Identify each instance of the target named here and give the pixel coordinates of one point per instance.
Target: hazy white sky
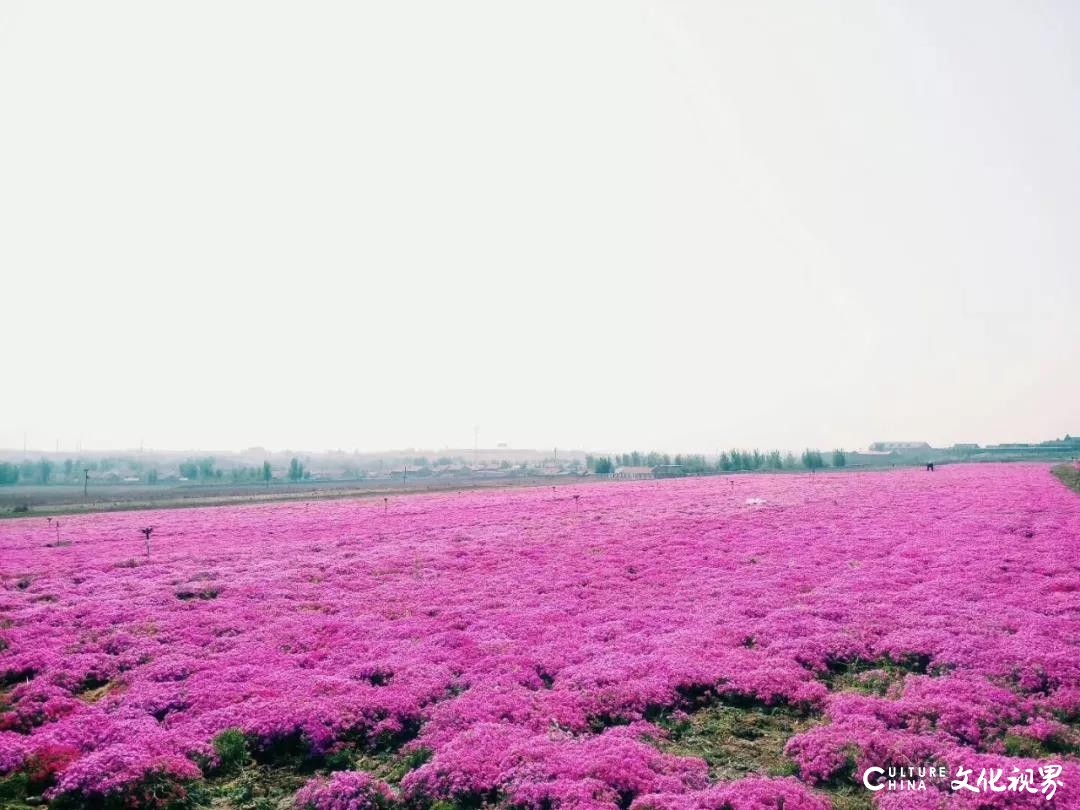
(608, 225)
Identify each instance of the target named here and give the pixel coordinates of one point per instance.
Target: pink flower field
(543, 648)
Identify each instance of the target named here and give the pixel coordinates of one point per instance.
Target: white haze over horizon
(610, 225)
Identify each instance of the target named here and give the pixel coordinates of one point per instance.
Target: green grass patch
(1066, 743)
(14, 790)
(748, 739)
(232, 750)
(877, 681)
(736, 741)
(390, 766)
(883, 677)
(1068, 475)
(246, 784)
(258, 787)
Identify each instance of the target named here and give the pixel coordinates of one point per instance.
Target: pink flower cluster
(530, 768)
(345, 790)
(526, 637)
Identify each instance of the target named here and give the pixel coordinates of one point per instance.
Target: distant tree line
(728, 461)
(639, 459)
(248, 475)
(297, 471)
(46, 471)
(31, 472)
(202, 469)
(601, 465)
(206, 469)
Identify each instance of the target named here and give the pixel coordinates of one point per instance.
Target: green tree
(696, 464)
(603, 465)
(296, 470)
(45, 468)
(9, 474)
(839, 458)
(232, 750)
(267, 473)
(152, 476)
(812, 459)
(773, 460)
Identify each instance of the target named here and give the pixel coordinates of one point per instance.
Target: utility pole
(86, 480)
(405, 474)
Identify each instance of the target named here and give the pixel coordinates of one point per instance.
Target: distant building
(449, 469)
(633, 473)
(549, 469)
(1068, 445)
(668, 471)
(899, 447)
